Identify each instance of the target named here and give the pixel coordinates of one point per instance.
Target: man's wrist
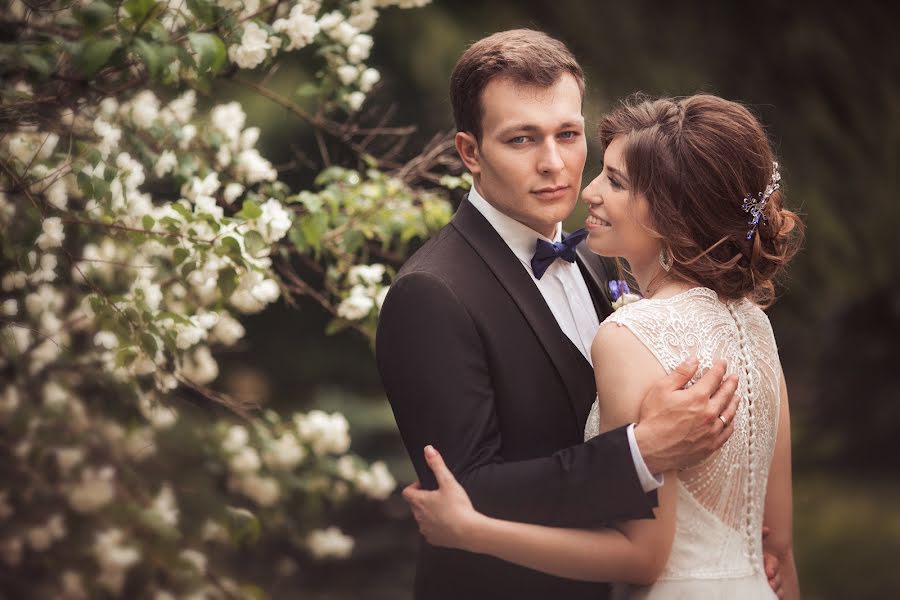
(648, 480)
(644, 441)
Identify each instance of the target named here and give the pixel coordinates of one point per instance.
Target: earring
(666, 259)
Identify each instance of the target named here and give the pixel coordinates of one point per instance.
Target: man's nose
(550, 160)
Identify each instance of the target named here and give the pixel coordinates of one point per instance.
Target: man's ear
(467, 148)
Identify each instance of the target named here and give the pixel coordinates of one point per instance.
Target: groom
(486, 354)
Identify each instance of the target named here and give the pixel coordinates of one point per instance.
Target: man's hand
(772, 567)
(679, 427)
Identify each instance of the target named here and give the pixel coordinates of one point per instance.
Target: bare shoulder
(625, 370)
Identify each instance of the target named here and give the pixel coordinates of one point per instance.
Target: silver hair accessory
(756, 205)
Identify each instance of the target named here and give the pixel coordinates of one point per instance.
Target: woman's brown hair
(695, 159)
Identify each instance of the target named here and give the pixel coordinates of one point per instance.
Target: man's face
(532, 151)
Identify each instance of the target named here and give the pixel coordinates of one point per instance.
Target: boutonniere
(621, 294)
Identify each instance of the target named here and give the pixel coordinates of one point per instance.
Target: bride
(690, 197)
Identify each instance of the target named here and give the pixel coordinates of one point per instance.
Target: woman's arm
(635, 552)
(778, 516)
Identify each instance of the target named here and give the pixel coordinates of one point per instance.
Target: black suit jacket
(473, 362)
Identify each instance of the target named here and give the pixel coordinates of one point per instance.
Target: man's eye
(521, 139)
(568, 135)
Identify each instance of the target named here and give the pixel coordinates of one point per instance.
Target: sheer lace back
(720, 500)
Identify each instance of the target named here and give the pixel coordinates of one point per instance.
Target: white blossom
(68, 458)
(366, 274)
(323, 432)
(227, 331)
(200, 367)
(52, 235)
(72, 586)
(228, 119)
(166, 506)
(357, 305)
(368, 79)
(329, 543)
(143, 108)
(14, 280)
(284, 452)
(115, 559)
(253, 168)
(165, 163)
(274, 221)
(355, 100)
(94, 491)
(300, 27)
(236, 439)
(232, 191)
(348, 74)
(377, 482)
(9, 401)
(253, 48)
(140, 443)
(9, 308)
(358, 50)
(195, 558)
(187, 336)
(254, 292)
(181, 109)
(158, 414)
(246, 460)
(265, 491)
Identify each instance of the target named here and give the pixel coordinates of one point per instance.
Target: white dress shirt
(565, 291)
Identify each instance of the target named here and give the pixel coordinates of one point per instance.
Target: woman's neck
(652, 280)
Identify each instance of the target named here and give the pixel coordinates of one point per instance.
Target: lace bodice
(720, 500)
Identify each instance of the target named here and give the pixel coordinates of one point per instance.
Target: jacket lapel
(567, 360)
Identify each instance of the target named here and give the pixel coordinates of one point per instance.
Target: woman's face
(618, 219)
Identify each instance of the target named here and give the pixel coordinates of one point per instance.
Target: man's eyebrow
(528, 128)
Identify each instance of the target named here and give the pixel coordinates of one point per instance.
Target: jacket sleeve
(436, 375)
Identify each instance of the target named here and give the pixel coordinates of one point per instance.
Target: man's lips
(551, 192)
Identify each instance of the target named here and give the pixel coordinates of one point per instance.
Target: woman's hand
(445, 516)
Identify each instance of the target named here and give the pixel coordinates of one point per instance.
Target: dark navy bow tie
(546, 252)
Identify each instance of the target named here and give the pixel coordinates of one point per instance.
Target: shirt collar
(520, 238)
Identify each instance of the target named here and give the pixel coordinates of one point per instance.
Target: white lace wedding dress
(717, 551)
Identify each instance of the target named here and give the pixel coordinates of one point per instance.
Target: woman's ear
(467, 148)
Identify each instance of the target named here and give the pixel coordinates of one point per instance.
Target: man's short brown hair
(523, 55)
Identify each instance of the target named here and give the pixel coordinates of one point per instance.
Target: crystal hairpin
(757, 205)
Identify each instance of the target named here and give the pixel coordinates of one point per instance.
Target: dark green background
(825, 79)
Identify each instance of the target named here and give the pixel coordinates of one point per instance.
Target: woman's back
(720, 500)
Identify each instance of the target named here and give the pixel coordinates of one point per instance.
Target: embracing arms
(634, 551)
(435, 371)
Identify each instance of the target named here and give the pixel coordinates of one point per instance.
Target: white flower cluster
(115, 559)
(324, 433)
(376, 482)
(330, 542)
(366, 293)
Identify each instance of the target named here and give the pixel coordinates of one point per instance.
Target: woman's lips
(593, 221)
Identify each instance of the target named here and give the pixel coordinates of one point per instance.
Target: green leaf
(211, 50)
(148, 222)
(203, 10)
(38, 63)
(148, 344)
(242, 525)
(232, 248)
(182, 210)
(94, 16)
(336, 326)
(254, 243)
(227, 282)
(180, 255)
(94, 55)
(250, 210)
(150, 56)
(139, 9)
